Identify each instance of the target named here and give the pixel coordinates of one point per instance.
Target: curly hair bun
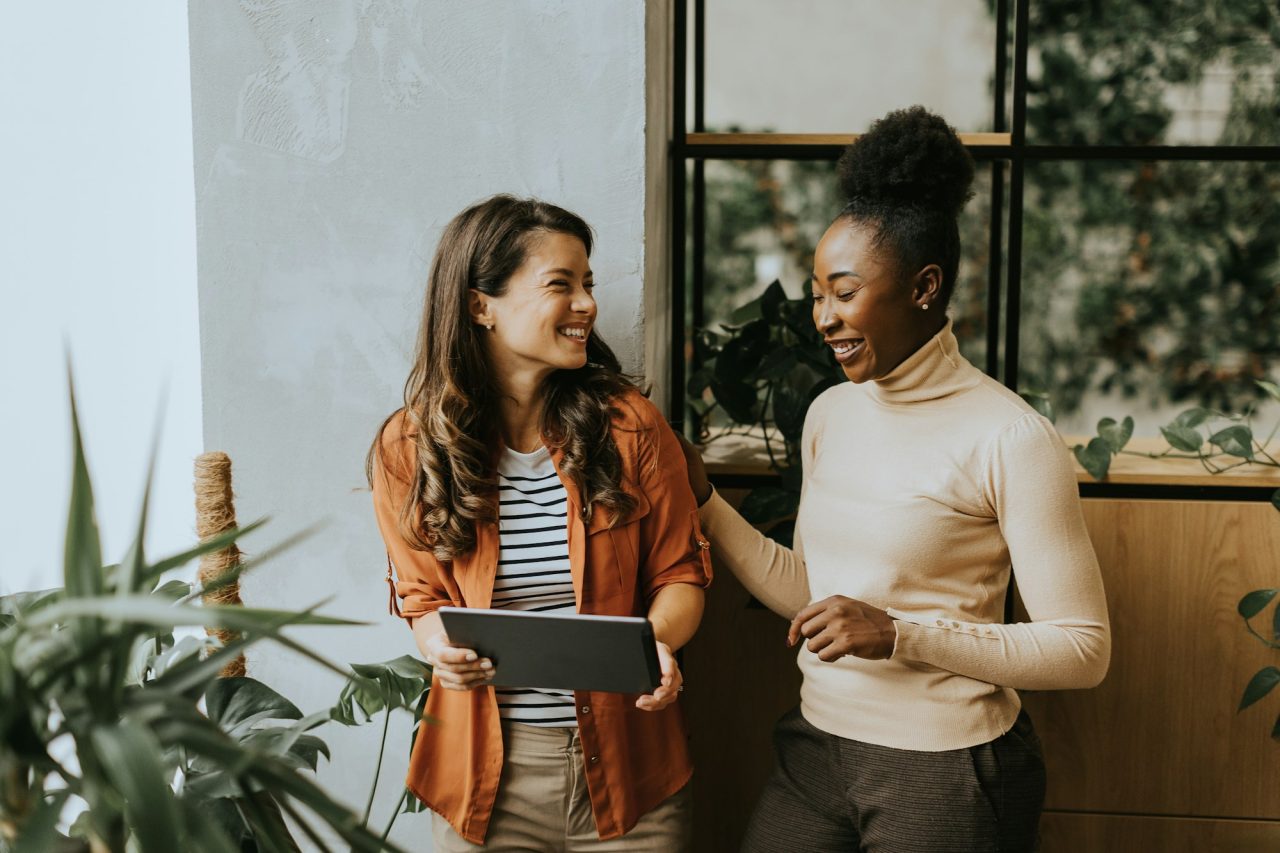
(909, 157)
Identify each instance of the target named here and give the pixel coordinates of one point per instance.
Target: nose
(824, 317)
(583, 301)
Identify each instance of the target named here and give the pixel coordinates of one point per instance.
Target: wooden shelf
(781, 139)
(745, 456)
(1127, 469)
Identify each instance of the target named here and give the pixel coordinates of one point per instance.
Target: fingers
(457, 668)
(668, 689)
(794, 632)
(697, 470)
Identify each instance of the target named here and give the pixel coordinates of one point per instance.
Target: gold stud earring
(489, 326)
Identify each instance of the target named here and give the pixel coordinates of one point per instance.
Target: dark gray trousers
(828, 794)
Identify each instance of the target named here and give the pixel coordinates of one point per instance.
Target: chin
(856, 373)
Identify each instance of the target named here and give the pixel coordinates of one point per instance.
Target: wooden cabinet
(1156, 758)
(1160, 738)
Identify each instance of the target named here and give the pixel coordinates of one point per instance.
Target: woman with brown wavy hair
(526, 472)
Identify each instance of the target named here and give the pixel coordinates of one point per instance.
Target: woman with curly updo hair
(926, 484)
(526, 472)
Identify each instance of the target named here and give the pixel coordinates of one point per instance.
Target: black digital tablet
(559, 652)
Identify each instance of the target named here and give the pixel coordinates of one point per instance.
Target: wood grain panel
(1074, 833)
(1161, 735)
(740, 677)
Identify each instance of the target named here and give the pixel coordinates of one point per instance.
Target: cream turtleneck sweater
(921, 490)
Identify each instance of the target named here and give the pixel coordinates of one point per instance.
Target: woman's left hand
(669, 689)
(839, 626)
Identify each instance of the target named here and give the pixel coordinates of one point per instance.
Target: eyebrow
(567, 272)
(836, 275)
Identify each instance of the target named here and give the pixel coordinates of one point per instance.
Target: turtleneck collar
(935, 370)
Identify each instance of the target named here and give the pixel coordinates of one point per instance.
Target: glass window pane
(834, 66)
(1177, 72)
(1149, 288)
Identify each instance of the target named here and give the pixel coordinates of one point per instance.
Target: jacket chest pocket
(614, 552)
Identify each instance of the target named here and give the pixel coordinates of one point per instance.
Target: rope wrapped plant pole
(215, 514)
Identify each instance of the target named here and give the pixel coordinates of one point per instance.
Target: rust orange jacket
(634, 759)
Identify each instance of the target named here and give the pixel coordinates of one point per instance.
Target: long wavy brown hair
(451, 396)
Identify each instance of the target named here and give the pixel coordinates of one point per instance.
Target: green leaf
(1235, 441)
(771, 302)
(216, 543)
(698, 382)
(206, 833)
(746, 313)
(1096, 458)
(1041, 403)
(132, 759)
(82, 566)
(1259, 686)
(769, 503)
(1251, 605)
(134, 563)
(1182, 438)
(777, 364)
(229, 701)
(738, 399)
(39, 831)
(172, 590)
(1115, 435)
(149, 611)
(1192, 418)
(1271, 388)
(412, 805)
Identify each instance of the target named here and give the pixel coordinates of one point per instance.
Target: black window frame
(1007, 161)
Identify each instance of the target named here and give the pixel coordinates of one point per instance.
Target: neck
(520, 410)
(925, 333)
(934, 370)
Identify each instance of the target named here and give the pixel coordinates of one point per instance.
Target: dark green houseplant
(98, 701)
(762, 373)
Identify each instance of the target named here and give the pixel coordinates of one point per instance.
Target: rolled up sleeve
(421, 584)
(673, 547)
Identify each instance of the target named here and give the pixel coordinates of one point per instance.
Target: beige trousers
(542, 804)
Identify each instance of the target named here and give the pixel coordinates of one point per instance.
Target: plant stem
(395, 814)
(377, 771)
(768, 446)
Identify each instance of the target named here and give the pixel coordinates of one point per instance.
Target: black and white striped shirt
(533, 568)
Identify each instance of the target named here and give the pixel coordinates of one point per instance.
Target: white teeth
(573, 332)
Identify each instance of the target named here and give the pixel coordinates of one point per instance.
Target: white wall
(333, 142)
(97, 249)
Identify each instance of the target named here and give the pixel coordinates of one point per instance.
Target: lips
(577, 334)
(847, 349)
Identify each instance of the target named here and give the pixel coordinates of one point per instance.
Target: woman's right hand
(456, 667)
(698, 481)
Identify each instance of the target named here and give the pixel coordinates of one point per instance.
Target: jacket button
(586, 709)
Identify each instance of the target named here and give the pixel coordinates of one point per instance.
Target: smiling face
(542, 320)
(867, 314)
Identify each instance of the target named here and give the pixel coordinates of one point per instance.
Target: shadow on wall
(297, 102)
